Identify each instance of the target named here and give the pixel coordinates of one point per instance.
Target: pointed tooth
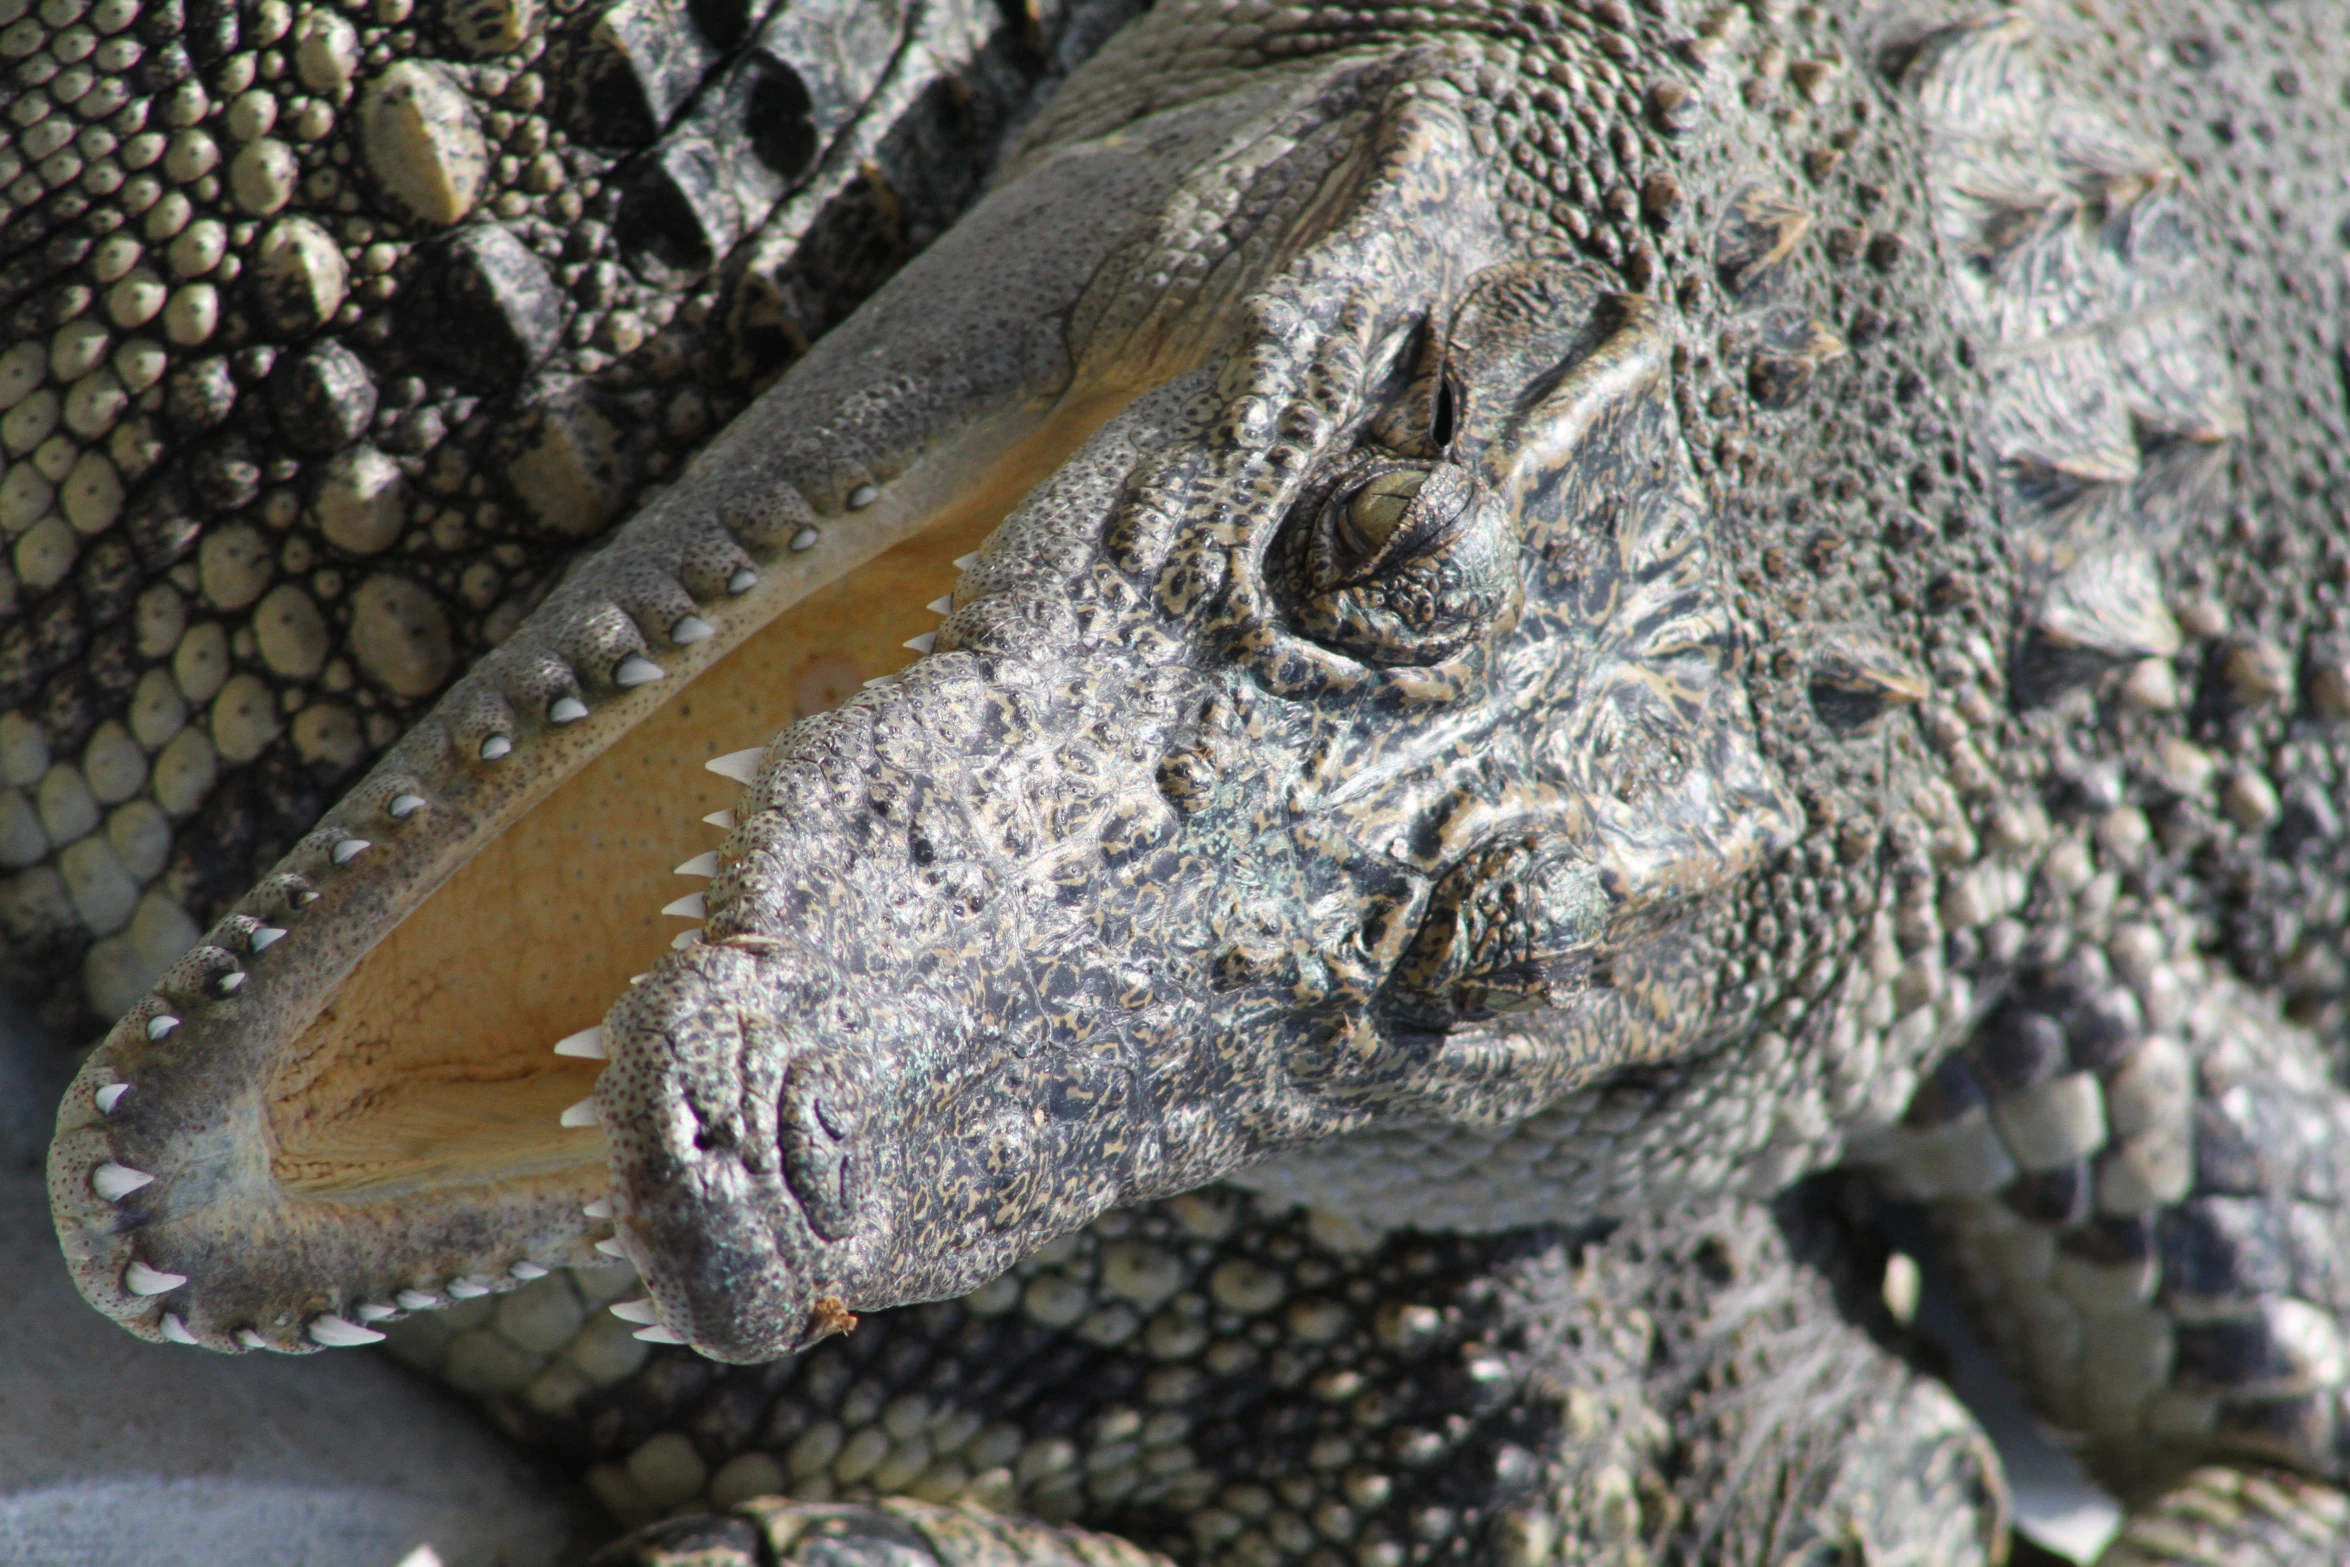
(175, 1328)
(497, 748)
(722, 820)
(417, 1300)
(527, 1270)
(375, 1311)
(639, 1311)
(637, 670)
(140, 1279)
(229, 984)
(404, 806)
(110, 1096)
(702, 864)
(566, 710)
(114, 1181)
(348, 850)
(963, 562)
(635, 980)
(743, 580)
(157, 1027)
(741, 766)
(805, 539)
(588, 1045)
(601, 1208)
(943, 605)
(923, 643)
(690, 907)
(691, 629)
(340, 1332)
(251, 1339)
(583, 1113)
(264, 938)
(610, 1246)
(684, 939)
(467, 1289)
(657, 1334)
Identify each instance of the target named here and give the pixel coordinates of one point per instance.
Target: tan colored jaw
(432, 1062)
(366, 1119)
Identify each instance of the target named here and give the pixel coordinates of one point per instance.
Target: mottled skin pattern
(1222, 1385)
(1673, 599)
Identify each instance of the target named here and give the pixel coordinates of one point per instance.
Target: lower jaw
(270, 1166)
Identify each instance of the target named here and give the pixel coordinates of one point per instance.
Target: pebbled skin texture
(1201, 1378)
(1651, 603)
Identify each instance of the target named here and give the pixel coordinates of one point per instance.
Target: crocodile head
(1346, 730)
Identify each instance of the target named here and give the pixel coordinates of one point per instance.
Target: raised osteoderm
(1547, 611)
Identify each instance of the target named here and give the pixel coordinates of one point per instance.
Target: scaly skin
(1603, 609)
(1208, 1381)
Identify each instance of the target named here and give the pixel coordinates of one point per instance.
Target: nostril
(817, 1124)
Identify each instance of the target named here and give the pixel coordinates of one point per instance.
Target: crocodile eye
(1403, 563)
(1373, 513)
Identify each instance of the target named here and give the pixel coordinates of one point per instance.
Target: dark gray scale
(1207, 1380)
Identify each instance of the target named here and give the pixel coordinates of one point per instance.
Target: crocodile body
(1571, 614)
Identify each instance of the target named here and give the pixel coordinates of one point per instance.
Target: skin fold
(1549, 614)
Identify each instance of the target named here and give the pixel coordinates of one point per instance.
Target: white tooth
(923, 643)
(743, 580)
(140, 1279)
(722, 820)
(467, 1289)
(251, 1339)
(376, 1311)
(229, 984)
(566, 710)
(684, 939)
(114, 1181)
(404, 806)
(110, 1096)
(877, 680)
(741, 766)
(601, 1208)
(963, 562)
(587, 1044)
(637, 670)
(263, 939)
(638, 1311)
(348, 850)
(526, 1271)
(157, 1027)
(692, 629)
(610, 1246)
(423, 1556)
(497, 748)
(702, 864)
(339, 1333)
(175, 1328)
(417, 1300)
(690, 907)
(583, 1114)
(941, 606)
(657, 1334)
(638, 979)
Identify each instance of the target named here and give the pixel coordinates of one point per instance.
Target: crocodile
(1552, 613)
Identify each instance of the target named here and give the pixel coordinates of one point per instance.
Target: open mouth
(368, 1091)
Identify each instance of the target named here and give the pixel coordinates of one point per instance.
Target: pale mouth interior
(432, 1064)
